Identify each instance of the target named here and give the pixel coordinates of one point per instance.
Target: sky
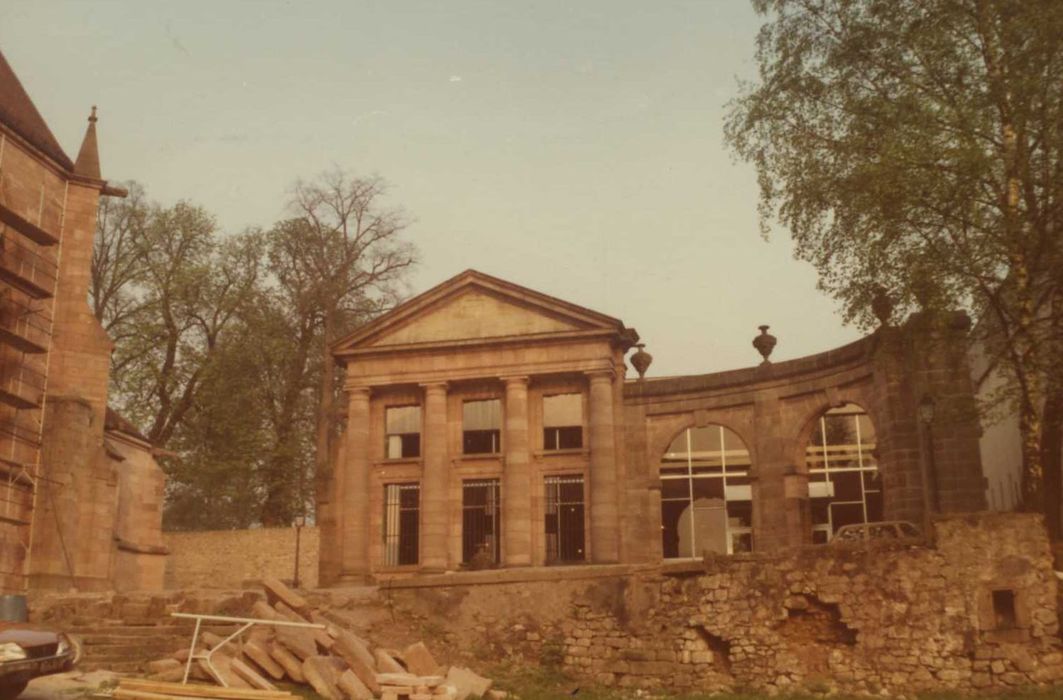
(573, 148)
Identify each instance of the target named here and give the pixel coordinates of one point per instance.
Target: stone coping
(853, 353)
(516, 575)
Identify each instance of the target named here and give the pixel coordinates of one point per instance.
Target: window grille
(564, 519)
(481, 520)
(402, 524)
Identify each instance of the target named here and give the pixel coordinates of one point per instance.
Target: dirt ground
(70, 686)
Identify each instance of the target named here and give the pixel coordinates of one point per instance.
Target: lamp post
(931, 499)
(300, 521)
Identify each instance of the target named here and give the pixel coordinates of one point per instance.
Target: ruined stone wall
(976, 611)
(231, 558)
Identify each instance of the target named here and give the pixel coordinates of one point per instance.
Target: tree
(187, 292)
(286, 333)
(914, 145)
(340, 260)
(223, 343)
(117, 264)
(215, 478)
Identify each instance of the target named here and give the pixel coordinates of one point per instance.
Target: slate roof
(115, 421)
(18, 113)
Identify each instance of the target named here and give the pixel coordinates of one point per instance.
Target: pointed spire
(88, 162)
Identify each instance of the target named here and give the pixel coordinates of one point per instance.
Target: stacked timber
(137, 689)
(333, 660)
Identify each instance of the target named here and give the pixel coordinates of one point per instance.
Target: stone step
(137, 650)
(118, 666)
(97, 640)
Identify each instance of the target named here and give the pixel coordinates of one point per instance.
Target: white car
(882, 530)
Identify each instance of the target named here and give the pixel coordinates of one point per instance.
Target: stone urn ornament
(641, 360)
(765, 343)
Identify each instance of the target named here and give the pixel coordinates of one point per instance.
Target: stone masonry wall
(977, 611)
(898, 619)
(231, 558)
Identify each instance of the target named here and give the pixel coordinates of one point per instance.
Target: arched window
(706, 503)
(843, 478)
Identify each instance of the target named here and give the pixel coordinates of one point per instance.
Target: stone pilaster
(353, 489)
(773, 502)
(926, 358)
(435, 479)
(516, 478)
(604, 503)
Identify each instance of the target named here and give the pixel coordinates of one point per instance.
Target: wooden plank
(349, 644)
(291, 664)
(220, 669)
(386, 663)
(353, 688)
(259, 653)
(199, 691)
(298, 641)
(356, 661)
(262, 610)
(251, 675)
(322, 676)
(26, 227)
(211, 694)
(419, 660)
(208, 693)
(277, 591)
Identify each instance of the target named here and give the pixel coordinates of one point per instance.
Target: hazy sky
(574, 148)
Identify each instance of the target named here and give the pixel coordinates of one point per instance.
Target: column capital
(434, 386)
(515, 379)
(358, 390)
(600, 374)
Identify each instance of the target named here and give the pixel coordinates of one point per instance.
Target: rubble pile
(332, 659)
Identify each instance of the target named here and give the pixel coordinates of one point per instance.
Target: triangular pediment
(474, 314)
(475, 307)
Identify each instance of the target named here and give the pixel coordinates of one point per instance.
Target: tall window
(481, 427)
(564, 519)
(401, 523)
(843, 477)
(480, 519)
(403, 427)
(706, 498)
(563, 422)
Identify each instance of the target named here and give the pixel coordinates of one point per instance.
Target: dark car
(27, 652)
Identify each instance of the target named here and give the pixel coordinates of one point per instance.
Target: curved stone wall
(774, 407)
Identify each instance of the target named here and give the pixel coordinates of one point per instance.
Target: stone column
(353, 489)
(516, 477)
(435, 479)
(604, 494)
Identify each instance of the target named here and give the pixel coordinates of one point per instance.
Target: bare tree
(346, 253)
(117, 261)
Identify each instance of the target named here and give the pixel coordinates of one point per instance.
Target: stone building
(489, 425)
(81, 493)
